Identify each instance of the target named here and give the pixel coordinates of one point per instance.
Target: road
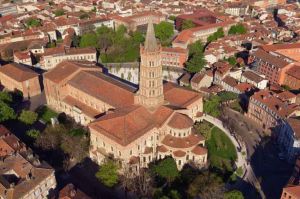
(265, 171)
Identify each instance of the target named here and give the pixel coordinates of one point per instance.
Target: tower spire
(150, 42)
(150, 93)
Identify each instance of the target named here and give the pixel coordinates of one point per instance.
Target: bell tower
(150, 93)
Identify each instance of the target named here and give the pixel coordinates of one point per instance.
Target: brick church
(133, 126)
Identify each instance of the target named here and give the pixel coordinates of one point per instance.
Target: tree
(75, 41)
(215, 36)
(59, 12)
(211, 106)
(108, 173)
(196, 47)
(231, 60)
(206, 186)
(138, 37)
(196, 63)
(234, 194)
(51, 137)
(6, 112)
(6, 97)
(237, 29)
(33, 22)
(172, 17)
(88, 40)
(33, 133)
(187, 24)
(28, 117)
(164, 31)
(167, 169)
(84, 16)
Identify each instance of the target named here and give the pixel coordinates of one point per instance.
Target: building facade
(16, 77)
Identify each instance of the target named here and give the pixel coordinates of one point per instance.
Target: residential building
(23, 58)
(292, 77)
(273, 66)
(70, 191)
(255, 79)
(138, 20)
(22, 174)
(53, 56)
(291, 192)
(17, 77)
(174, 57)
(288, 138)
(202, 80)
(268, 110)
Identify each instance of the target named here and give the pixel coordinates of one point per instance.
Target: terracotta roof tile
(18, 72)
(180, 121)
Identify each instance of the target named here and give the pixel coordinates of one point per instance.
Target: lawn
(221, 150)
(46, 114)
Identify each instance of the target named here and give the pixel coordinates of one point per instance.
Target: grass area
(221, 150)
(45, 114)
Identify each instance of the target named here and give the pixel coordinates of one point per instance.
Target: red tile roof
(180, 121)
(18, 72)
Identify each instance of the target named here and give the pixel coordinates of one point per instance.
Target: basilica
(134, 126)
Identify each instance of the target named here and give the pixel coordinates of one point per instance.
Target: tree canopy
(237, 29)
(108, 173)
(164, 31)
(206, 186)
(212, 106)
(215, 36)
(33, 133)
(88, 40)
(167, 169)
(196, 61)
(33, 22)
(59, 12)
(234, 194)
(196, 47)
(6, 112)
(187, 24)
(28, 117)
(6, 97)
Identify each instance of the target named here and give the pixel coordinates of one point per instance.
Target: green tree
(6, 97)
(33, 133)
(234, 194)
(231, 60)
(167, 169)
(6, 112)
(227, 96)
(196, 63)
(138, 37)
(196, 47)
(187, 24)
(164, 31)
(33, 22)
(212, 106)
(59, 12)
(89, 40)
(237, 29)
(215, 36)
(28, 117)
(108, 173)
(172, 17)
